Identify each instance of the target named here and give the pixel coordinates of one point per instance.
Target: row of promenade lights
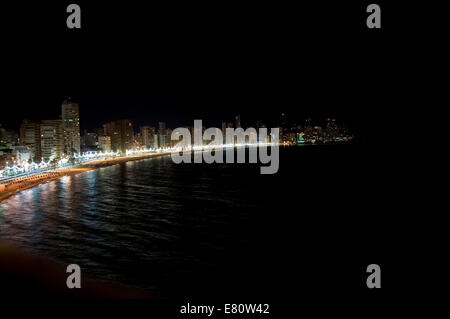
(23, 167)
(194, 148)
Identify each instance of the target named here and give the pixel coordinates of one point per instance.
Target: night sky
(177, 62)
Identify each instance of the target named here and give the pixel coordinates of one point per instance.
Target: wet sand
(26, 274)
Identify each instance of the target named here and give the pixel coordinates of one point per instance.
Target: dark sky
(208, 60)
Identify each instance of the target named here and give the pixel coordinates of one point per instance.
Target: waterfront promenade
(21, 183)
(15, 185)
(11, 185)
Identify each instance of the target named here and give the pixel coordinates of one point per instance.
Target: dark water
(169, 227)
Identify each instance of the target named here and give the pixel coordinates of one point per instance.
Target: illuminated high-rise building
(89, 139)
(8, 137)
(162, 134)
(30, 136)
(104, 143)
(148, 136)
(70, 115)
(52, 140)
(169, 141)
(121, 133)
(331, 130)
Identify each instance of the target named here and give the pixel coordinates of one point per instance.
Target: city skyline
(174, 114)
(54, 139)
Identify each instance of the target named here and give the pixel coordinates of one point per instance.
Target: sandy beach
(24, 273)
(22, 183)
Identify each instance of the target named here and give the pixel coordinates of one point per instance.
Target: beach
(22, 183)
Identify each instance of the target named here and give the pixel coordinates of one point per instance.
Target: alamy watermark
(74, 279)
(209, 145)
(73, 21)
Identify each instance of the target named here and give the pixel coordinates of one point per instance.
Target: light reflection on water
(125, 221)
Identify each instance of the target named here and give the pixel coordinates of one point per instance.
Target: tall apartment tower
(70, 115)
(148, 136)
(104, 143)
(52, 139)
(30, 136)
(162, 134)
(121, 133)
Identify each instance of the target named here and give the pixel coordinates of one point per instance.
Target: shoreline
(21, 272)
(42, 178)
(38, 179)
